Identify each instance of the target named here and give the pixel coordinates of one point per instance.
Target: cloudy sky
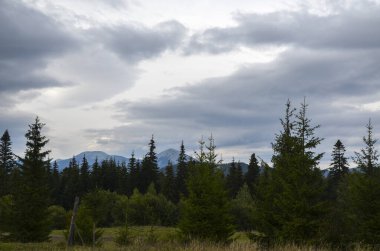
(107, 74)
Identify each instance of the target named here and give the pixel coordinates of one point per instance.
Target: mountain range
(162, 158)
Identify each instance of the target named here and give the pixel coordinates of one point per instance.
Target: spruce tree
(149, 168)
(362, 194)
(96, 175)
(7, 163)
(339, 164)
(182, 173)
(335, 224)
(133, 174)
(230, 179)
(205, 213)
(85, 182)
(55, 184)
(252, 174)
(31, 197)
(123, 186)
(291, 206)
(367, 158)
(338, 169)
(234, 179)
(243, 209)
(169, 185)
(70, 183)
(109, 174)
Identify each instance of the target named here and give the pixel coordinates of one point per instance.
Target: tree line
(289, 201)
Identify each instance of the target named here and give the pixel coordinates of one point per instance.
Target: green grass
(164, 238)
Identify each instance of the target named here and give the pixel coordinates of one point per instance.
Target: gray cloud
(135, 43)
(351, 28)
(27, 39)
(243, 110)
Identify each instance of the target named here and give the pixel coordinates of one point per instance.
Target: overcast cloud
(87, 74)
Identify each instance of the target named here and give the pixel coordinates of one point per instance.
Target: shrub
(57, 217)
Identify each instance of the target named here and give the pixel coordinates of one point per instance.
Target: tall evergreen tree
(31, 197)
(234, 179)
(205, 213)
(7, 163)
(109, 174)
(291, 205)
(85, 181)
(149, 168)
(133, 181)
(123, 186)
(182, 173)
(139, 176)
(252, 174)
(70, 183)
(339, 164)
(338, 169)
(361, 197)
(96, 175)
(169, 185)
(243, 209)
(55, 184)
(367, 158)
(334, 224)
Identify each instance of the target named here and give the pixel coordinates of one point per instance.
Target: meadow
(158, 238)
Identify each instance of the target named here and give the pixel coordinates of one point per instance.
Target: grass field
(156, 238)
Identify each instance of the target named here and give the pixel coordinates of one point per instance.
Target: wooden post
(70, 239)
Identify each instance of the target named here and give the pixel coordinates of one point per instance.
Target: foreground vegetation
(164, 238)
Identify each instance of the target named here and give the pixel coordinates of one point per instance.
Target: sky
(108, 74)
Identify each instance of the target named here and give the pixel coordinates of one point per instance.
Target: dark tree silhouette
(31, 197)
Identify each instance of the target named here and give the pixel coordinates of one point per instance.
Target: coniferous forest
(288, 200)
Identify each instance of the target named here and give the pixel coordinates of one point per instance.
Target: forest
(287, 201)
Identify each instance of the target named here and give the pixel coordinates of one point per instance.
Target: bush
(85, 231)
(57, 217)
(151, 209)
(106, 208)
(123, 236)
(5, 213)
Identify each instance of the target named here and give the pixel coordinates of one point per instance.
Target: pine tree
(149, 168)
(252, 175)
(84, 176)
(7, 163)
(31, 197)
(182, 173)
(205, 213)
